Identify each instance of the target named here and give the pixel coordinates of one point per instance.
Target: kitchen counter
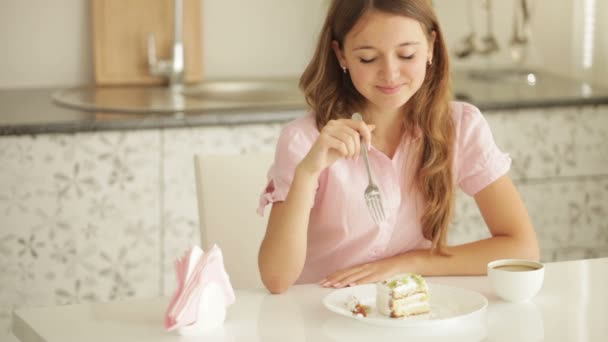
(32, 111)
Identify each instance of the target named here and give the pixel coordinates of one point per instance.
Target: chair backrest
(228, 189)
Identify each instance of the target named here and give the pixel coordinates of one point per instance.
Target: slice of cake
(402, 295)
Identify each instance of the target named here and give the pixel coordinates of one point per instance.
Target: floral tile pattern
(568, 217)
(553, 142)
(79, 218)
(559, 166)
(102, 216)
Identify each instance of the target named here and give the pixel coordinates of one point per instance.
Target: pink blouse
(341, 232)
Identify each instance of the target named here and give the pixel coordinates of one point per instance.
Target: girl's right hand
(339, 138)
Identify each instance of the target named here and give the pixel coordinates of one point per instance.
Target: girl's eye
(366, 61)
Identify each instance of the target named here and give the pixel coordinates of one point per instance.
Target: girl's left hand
(362, 274)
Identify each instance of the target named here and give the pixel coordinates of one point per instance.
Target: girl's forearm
(471, 258)
(283, 250)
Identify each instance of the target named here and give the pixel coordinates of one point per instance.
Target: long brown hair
(331, 95)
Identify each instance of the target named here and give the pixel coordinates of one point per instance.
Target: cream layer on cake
(402, 296)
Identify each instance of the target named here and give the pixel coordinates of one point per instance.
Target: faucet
(174, 67)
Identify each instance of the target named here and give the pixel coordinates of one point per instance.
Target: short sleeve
(478, 160)
(292, 146)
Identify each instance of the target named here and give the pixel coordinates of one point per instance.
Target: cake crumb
(353, 305)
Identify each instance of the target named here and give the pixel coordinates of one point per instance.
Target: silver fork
(372, 192)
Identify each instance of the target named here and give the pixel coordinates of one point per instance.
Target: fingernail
(352, 284)
(337, 285)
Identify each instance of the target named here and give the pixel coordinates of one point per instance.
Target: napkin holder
(209, 294)
(212, 306)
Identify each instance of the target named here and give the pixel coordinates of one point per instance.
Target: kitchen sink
(283, 90)
(512, 75)
(207, 96)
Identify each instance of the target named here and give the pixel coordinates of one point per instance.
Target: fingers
(349, 137)
(363, 274)
(366, 279)
(336, 144)
(338, 279)
(349, 277)
(364, 130)
(345, 136)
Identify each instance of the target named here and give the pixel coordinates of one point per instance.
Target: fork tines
(374, 204)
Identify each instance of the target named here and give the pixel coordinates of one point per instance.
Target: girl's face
(386, 56)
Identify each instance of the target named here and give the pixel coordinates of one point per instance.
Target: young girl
(387, 60)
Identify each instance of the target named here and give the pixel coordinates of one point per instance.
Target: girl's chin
(390, 104)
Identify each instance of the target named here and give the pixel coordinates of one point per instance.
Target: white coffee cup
(516, 280)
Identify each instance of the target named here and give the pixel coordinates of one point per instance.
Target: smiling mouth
(389, 90)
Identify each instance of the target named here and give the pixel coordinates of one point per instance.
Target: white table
(572, 306)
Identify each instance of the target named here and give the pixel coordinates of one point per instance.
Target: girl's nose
(390, 70)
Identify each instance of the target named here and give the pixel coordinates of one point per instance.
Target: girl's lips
(389, 90)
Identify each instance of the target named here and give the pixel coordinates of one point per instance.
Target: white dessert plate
(447, 303)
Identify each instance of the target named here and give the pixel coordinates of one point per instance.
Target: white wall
(47, 43)
(259, 37)
(44, 43)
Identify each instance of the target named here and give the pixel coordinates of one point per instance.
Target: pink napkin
(195, 272)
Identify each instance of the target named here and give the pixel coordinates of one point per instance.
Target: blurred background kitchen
(49, 43)
(97, 192)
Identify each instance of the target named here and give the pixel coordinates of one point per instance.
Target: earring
(344, 69)
(430, 61)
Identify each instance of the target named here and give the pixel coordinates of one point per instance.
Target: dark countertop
(32, 111)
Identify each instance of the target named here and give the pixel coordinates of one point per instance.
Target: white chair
(228, 189)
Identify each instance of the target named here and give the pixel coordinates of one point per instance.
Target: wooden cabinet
(120, 32)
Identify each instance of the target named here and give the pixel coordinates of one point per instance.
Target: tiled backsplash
(101, 216)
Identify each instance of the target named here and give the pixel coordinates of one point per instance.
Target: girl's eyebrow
(369, 47)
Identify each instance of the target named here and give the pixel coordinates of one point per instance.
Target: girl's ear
(339, 55)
